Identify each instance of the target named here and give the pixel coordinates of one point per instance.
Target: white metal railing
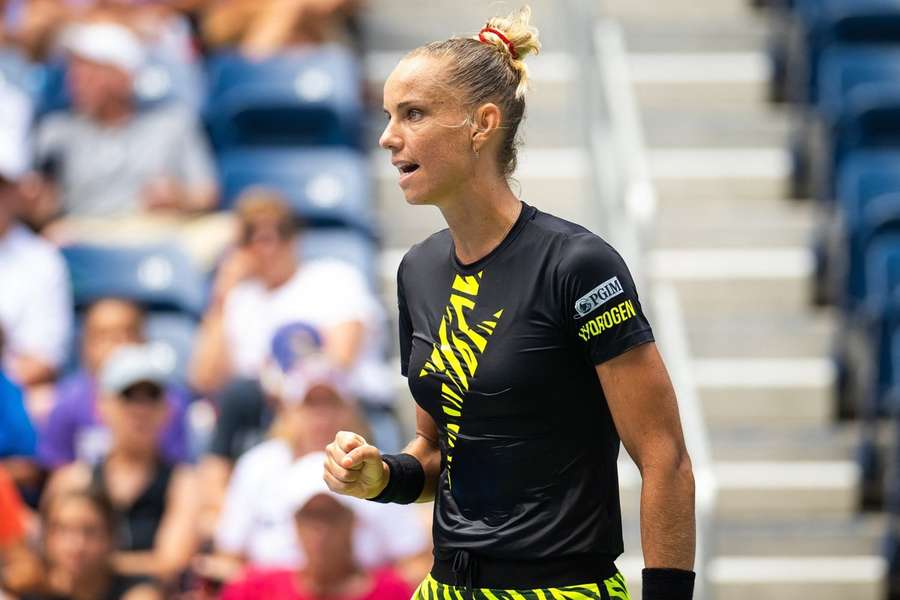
(626, 207)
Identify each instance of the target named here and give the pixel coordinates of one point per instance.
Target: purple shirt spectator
(74, 429)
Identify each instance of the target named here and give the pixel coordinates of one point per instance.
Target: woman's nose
(389, 140)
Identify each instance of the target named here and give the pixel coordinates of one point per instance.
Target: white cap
(130, 365)
(304, 482)
(294, 386)
(105, 43)
(15, 118)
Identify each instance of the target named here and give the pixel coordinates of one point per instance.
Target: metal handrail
(623, 210)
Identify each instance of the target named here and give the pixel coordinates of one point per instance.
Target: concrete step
(401, 25)
(676, 127)
(703, 173)
(760, 230)
(712, 35)
(679, 12)
(551, 179)
(756, 491)
(855, 535)
(722, 282)
(728, 220)
(765, 392)
(791, 578)
(716, 81)
(828, 442)
(789, 334)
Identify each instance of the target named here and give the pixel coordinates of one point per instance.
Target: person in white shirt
(255, 525)
(264, 284)
(36, 300)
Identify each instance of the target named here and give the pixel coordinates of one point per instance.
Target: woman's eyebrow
(403, 104)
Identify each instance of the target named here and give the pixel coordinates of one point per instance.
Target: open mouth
(407, 168)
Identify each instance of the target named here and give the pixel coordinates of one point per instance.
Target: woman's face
(427, 132)
(77, 539)
(136, 417)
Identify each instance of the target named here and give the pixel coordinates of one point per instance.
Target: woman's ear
(487, 120)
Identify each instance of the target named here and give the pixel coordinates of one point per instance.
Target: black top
(501, 354)
(119, 585)
(139, 521)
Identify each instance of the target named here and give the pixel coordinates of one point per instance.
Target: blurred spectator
(261, 28)
(36, 304)
(116, 172)
(74, 429)
(17, 436)
(155, 501)
(255, 523)
(78, 543)
(262, 285)
(19, 568)
(327, 527)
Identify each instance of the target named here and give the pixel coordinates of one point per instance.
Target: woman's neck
(80, 586)
(131, 457)
(481, 222)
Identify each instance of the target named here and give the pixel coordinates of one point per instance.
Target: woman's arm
(355, 468)
(176, 536)
(645, 411)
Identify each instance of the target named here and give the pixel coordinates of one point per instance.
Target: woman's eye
(414, 113)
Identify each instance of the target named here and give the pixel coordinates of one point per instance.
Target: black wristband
(405, 482)
(667, 584)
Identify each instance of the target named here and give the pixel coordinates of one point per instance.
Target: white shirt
(35, 298)
(323, 293)
(257, 520)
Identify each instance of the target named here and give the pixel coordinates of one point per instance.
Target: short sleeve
(404, 323)
(194, 162)
(235, 526)
(56, 442)
(602, 312)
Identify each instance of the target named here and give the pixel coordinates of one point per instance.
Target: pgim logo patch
(597, 297)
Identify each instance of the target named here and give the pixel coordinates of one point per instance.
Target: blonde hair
(490, 71)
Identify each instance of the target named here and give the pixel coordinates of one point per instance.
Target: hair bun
(521, 40)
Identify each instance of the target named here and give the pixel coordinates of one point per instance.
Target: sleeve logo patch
(597, 296)
(612, 317)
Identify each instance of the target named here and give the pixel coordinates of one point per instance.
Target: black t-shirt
(501, 354)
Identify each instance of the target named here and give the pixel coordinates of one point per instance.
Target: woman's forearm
(667, 514)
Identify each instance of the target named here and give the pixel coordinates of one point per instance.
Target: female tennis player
(528, 354)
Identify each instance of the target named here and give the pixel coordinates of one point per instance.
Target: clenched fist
(353, 467)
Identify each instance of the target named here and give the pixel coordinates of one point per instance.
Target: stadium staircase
(785, 523)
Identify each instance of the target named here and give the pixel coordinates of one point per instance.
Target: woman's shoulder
(434, 247)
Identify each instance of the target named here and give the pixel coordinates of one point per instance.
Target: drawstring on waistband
(465, 568)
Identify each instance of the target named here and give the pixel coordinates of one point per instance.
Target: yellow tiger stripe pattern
(455, 355)
(612, 588)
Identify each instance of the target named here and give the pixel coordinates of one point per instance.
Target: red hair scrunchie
(503, 38)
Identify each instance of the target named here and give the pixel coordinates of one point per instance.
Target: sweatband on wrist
(667, 584)
(406, 479)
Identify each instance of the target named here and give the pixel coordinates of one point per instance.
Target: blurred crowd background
(187, 305)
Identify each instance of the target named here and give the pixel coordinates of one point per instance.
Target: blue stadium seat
(880, 308)
(173, 334)
(326, 186)
(310, 97)
(827, 22)
(844, 68)
(344, 244)
(158, 276)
